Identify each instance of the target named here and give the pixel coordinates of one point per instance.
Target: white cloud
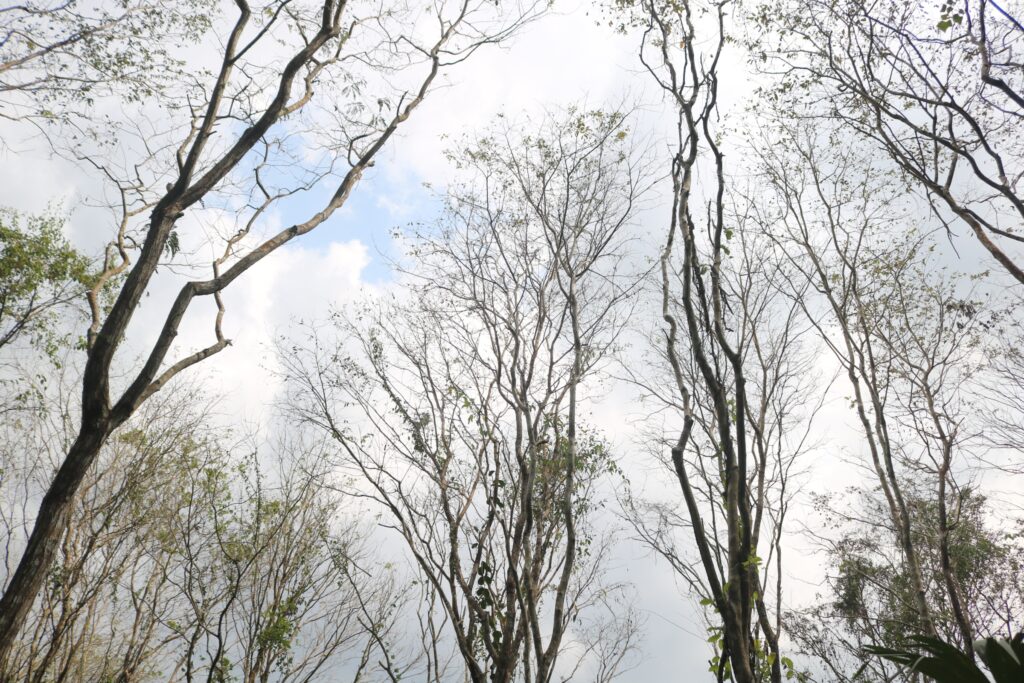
(296, 283)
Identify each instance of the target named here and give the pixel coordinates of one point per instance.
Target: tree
(59, 57)
(782, 401)
(194, 559)
(834, 226)
(205, 160)
(40, 272)
(870, 600)
(472, 391)
(705, 329)
(940, 93)
(1002, 386)
(906, 335)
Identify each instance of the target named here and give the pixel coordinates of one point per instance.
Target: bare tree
(707, 331)
(471, 392)
(271, 579)
(939, 90)
(1002, 386)
(782, 399)
(906, 337)
(58, 58)
(845, 221)
(230, 133)
(197, 558)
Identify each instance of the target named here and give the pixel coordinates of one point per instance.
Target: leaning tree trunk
(44, 542)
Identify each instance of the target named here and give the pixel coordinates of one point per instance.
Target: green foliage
(39, 271)
(592, 460)
(763, 657)
(490, 631)
(949, 15)
(872, 600)
(220, 671)
(279, 627)
(66, 55)
(944, 663)
(873, 592)
(716, 638)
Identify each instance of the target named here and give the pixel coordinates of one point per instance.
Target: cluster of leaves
(944, 663)
(873, 593)
(871, 599)
(39, 272)
(68, 53)
(490, 630)
(764, 658)
(592, 461)
(949, 14)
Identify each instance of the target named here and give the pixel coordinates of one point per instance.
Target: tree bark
(44, 542)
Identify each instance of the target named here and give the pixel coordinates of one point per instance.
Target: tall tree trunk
(44, 542)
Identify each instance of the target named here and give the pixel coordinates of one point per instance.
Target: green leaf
(1002, 662)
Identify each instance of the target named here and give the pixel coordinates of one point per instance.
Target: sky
(566, 58)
